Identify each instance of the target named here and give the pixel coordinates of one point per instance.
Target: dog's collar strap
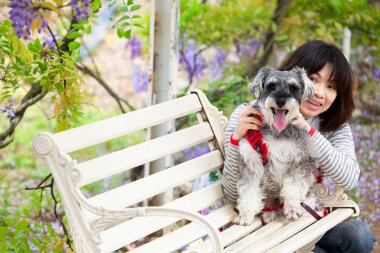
(256, 140)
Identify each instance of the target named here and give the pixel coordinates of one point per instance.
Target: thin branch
(268, 43)
(33, 96)
(51, 187)
(103, 83)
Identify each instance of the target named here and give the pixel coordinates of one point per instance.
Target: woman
(328, 112)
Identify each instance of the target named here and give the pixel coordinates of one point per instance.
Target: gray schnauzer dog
(290, 173)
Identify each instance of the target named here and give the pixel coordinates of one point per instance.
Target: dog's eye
(271, 86)
(293, 87)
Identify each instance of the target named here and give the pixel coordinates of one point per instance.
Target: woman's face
(324, 96)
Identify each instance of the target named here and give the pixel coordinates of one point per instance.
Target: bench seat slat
(280, 235)
(229, 236)
(137, 191)
(257, 235)
(119, 161)
(312, 232)
(134, 229)
(101, 131)
(187, 233)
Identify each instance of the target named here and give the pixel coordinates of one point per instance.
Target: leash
(308, 209)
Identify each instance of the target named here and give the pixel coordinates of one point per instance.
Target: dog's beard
(277, 117)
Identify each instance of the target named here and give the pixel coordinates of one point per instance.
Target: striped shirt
(335, 154)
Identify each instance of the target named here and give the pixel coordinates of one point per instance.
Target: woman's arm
(230, 175)
(336, 156)
(240, 122)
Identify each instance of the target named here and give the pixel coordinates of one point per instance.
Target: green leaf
(3, 232)
(135, 7)
(29, 79)
(74, 35)
(9, 221)
(88, 29)
(22, 224)
(124, 9)
(138, 25)
(120, 33)
(74, 45)
(127, 34)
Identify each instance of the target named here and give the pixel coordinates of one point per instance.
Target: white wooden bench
(108, 221)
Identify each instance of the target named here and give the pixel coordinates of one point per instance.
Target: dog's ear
(308, 86)
(257, 85)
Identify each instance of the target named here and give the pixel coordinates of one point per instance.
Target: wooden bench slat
(134, 229)
(257, 235)
(229, 236)
(187, 234)
(137, 191)
(279, 235)
(91, 134)
(119, 161)
(312, 232)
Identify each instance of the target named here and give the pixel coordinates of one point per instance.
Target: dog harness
(256, 140)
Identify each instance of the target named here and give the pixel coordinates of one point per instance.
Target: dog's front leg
(293, 191)
(251, 196)
(250, 200)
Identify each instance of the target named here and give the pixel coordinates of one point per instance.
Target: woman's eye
(312, 79)
(332, 87)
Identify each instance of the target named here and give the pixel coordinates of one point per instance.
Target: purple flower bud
(11, 114)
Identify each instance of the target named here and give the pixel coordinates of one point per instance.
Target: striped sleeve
(230, 175)
(336, 156)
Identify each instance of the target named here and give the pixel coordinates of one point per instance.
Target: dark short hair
(312, 56)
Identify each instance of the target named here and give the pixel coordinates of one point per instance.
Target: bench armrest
(338, 199)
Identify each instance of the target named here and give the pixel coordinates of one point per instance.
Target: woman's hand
(247, 121)
(301, 122)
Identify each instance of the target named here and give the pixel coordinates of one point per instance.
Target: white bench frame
(109, 221)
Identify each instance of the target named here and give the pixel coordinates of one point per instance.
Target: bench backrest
(90, 232)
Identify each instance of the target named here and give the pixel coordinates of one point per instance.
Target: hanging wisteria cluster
(22, 14)
(81, 8)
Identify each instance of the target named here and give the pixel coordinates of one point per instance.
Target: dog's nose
(281, 102)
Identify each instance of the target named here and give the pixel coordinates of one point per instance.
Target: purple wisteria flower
(81, 9)
(247, 50)
(140, 79)
(367, 148)
(375, 72)
(48, 43)
(192, 153)
(135, 46)
(216, 64)
(193, 63)
(22, 15)
(8, 109)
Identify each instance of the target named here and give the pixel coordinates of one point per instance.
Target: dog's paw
(243, 220)
(268, 217)
(293, 209)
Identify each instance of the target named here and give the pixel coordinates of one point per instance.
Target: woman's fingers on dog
(250, 111)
